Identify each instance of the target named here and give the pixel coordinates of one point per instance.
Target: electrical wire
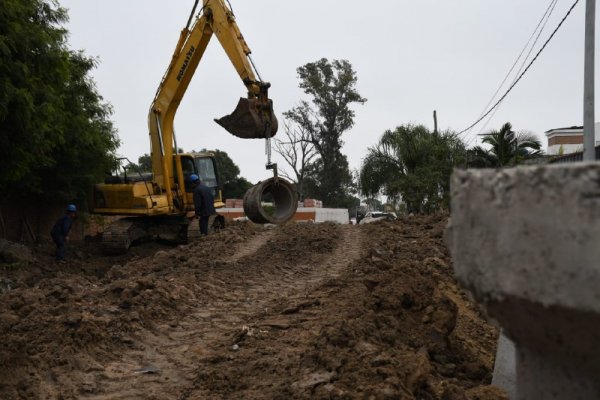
(543, 22)
(553, 2)
(537, 37)
(523, 73)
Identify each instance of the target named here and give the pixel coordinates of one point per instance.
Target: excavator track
(115, 239)
(121, 234)
(118, 236)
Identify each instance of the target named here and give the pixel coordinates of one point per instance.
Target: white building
(568, 140)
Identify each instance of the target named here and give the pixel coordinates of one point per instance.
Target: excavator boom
(158, 206)
(253, 117)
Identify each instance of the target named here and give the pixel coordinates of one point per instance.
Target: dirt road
(299, 311)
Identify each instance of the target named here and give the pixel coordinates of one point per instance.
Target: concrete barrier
(526, 242)
(505, 367)
(339, 215)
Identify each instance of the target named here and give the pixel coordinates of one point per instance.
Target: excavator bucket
(251, 119)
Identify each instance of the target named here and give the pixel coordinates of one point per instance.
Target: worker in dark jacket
(60, 231)
(204, 203)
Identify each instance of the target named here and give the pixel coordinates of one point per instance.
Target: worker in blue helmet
(60, 231)
(204, 203)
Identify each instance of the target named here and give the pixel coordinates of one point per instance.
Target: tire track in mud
(236, 295)
(251, 247)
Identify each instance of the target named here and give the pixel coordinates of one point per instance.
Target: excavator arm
(252, 118)
(158, 207)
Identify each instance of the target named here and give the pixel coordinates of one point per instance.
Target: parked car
(374, 216)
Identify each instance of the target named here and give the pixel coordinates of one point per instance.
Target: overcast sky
(411, 57)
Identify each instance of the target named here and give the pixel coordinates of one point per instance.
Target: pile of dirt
(14, 253)
(392, 324)
(61, 321)
(297, 311)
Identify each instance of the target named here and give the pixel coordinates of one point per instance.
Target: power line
(546, 14)
(543, 22)
(524, 72)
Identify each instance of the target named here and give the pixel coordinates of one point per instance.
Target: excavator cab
(206, 166)
(202, 164)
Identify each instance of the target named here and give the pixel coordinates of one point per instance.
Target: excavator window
(207, 171)
(188, 168)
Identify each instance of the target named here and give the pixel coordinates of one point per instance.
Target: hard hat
(71, 208)
(194, 178)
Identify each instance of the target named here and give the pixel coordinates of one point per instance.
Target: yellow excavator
(157, 205)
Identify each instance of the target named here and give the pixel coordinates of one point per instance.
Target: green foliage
(374, 204)
(413, 164)
(55, 135)
(236, 188)
(332, 88)
(506, 148)
(332, 183)
(233, 185)
(228, 170)
(269, 209)
(145, 163)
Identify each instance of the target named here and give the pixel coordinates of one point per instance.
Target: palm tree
(507, 148)
(414, 164)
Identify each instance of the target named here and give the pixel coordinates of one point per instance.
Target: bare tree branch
(297, 148)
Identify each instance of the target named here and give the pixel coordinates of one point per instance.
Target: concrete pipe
(280, 193)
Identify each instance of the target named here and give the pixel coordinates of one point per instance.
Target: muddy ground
(298, 311)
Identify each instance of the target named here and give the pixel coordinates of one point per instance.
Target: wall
(566, 148)
(339, 215)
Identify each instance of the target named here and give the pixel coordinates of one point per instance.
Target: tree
(56, 138)
(145, 163)
(374, 204)
(236, 188)
(233, 185)
(297, 151)
(332, 87)
(507, 148)
(414, 164)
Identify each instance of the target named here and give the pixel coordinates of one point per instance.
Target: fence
(573, 157)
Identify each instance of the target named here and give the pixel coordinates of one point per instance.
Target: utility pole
(589, 134)
(435, 128)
